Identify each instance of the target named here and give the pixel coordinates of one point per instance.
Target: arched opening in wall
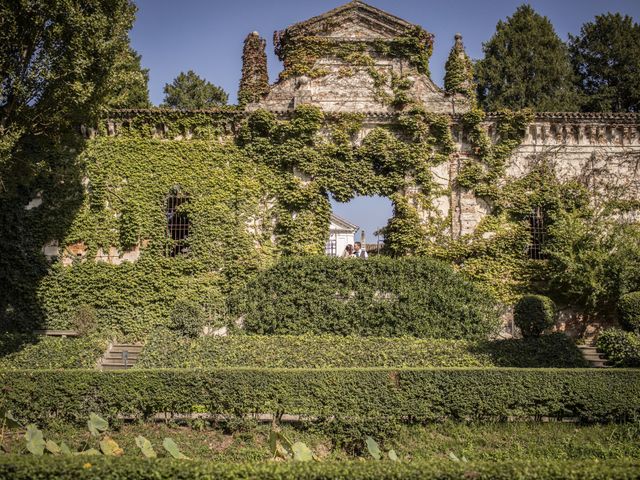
(538, 234)
(358, 220)
(178, 223)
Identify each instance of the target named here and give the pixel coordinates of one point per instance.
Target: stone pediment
(353, 21)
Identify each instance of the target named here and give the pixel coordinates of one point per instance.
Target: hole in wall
(358, 219)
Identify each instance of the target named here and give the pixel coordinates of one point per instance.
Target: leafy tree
(190, 91)
(606, 57)
(593, 258)
(129, 82)
(56, 58)
(526, 65)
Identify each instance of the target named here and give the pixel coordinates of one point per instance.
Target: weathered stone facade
(601, 149)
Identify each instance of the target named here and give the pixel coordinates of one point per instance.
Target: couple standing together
(355, 251)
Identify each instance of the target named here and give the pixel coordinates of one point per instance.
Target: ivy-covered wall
(259, 186)
(88, 227)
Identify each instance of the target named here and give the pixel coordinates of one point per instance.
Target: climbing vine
(316, 155)
(258, 187)
(254, 83)
(458, 76)
(300, 51)
(482, 172)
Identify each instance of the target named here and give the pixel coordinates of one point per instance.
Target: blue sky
(206, 36)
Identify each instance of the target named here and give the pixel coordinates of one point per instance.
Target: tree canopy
(129, 82)
(56, 58)
(526, 65)
(189, 91)
(606, 58)
(57, 61)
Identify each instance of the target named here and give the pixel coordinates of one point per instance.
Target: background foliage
(189, 91)
(526, 65)
(606, 57)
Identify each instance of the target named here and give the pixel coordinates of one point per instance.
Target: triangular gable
(341, 22)
(339, 223)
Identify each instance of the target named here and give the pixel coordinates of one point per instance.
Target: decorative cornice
(236, 112)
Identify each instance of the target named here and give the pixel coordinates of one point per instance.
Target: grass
(476, 442)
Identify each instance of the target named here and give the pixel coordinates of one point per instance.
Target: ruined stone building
(171, 200)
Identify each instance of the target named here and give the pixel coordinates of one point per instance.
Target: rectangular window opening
(177, 225)
(538, 234)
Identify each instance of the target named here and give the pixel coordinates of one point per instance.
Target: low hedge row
(31, 351)
(169, 350)
(90, 468)
(415, 394)
(381, 297)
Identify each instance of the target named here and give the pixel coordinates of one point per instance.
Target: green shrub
(622, 349)
(629, 311)
(94, 468)
(533, 314)
(547, 351)
(30, 351)
(421, 395)
(187, 318)
(167, 350)
(380, 297)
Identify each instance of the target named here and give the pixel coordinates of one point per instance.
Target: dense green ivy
(482, 172)
(390, 161)
(258, 186)
(458, 77)
(300, 51)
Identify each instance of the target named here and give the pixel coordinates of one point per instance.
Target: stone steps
(120, 356)
(595, 358)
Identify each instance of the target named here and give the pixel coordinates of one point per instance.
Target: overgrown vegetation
(247, 441)
(254, 83)
(629, 311)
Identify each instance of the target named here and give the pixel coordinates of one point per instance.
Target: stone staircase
(120, 356)
(591, 355)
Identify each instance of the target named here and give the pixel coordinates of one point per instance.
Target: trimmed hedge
(168, 350)
(533, 314)
(382, 297)
(31, 351)
(622, 349)
(629, 311)
(418, 394)
(90, 468)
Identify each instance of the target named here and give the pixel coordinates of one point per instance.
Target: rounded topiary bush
(629, 311)
(533, 314)
(382, 296)
(187, 318)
